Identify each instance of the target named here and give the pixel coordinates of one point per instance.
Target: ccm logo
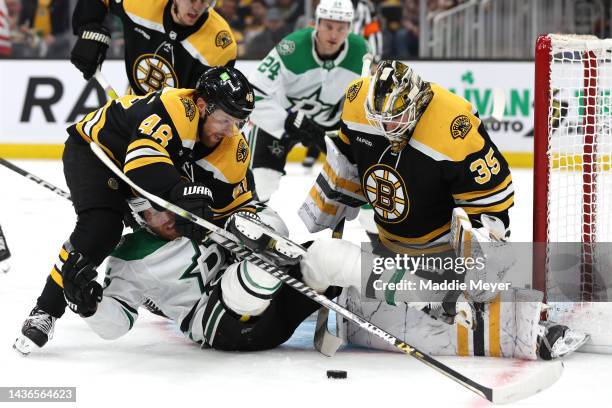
(193, 190)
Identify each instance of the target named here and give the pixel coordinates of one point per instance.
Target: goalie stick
(503, 394)
(324, 341)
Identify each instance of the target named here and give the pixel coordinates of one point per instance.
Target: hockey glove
(89, 51)
(197, 199)
(81, 290)
(301, 127)
(245, 228)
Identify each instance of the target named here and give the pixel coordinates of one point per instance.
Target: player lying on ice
(422, 158)
(227, 304)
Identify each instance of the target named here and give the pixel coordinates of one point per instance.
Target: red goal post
(573, 182)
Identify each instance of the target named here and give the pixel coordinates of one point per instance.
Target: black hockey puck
(336, 374)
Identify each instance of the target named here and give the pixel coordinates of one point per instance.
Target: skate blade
(571, 341)
(24, 345)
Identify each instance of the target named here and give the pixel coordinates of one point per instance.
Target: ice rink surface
(155, 366)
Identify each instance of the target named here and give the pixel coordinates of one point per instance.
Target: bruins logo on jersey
(242, 152)
(353, 91)
(190, 108)
(152, 73)
(386, 191)
(460, 127)
(223, 39)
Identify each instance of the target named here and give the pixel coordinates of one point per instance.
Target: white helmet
(336, 10)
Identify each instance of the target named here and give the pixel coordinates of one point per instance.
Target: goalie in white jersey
(299, 90)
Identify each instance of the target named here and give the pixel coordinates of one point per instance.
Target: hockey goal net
(573, 182)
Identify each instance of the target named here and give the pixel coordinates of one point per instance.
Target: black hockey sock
(51, 300)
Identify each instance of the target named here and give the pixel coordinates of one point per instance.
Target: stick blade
(543, 375)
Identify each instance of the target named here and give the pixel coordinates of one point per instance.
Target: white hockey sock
(248, 289)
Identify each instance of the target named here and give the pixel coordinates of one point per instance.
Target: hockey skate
(556, 341)
(36, 331)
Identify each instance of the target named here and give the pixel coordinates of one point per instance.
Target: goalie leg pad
(506, 327)
(247, 289)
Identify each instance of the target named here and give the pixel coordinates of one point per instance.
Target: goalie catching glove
(256, 234)
(197, 199)
(81, 290)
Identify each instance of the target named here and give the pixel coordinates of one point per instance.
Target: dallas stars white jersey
(293, 77)
(174, 275)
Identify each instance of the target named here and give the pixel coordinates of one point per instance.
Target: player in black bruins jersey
(421, 157)
(167, 42)
(414, 151)
(156, 139)
(440, 189)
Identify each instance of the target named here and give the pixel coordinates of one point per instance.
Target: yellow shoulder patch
(354, 108)
(182, 111)
(214, 41)
(151, 11)
(230, 160)
(448, 128)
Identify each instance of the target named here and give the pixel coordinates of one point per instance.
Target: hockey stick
(105, 85)
(34, 178)
(325, 342)
(502, 394)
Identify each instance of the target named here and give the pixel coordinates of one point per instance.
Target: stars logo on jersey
(276, 148)
(311, 105)
(353, 91)
(386, 191)
(152, 73)
(460, 127)
(285, 47)
(242, 152)
(223, 39)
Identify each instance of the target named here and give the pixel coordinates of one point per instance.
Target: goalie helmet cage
(573, 183)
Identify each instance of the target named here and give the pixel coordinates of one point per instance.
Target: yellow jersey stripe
(148, 143)
(81, 124)
(145, 161)
(476, 194)
(242, 198)
(504, 205)
(429, 237)
(414, 251)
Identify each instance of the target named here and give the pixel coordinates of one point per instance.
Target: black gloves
(301, 127)
(81, 290)
(90, 48)
(197, 199)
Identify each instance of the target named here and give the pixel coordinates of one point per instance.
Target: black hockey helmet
(228, 89)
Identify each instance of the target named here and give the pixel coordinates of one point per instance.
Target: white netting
(580, 183)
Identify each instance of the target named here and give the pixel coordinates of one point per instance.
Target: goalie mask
(397, 98)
